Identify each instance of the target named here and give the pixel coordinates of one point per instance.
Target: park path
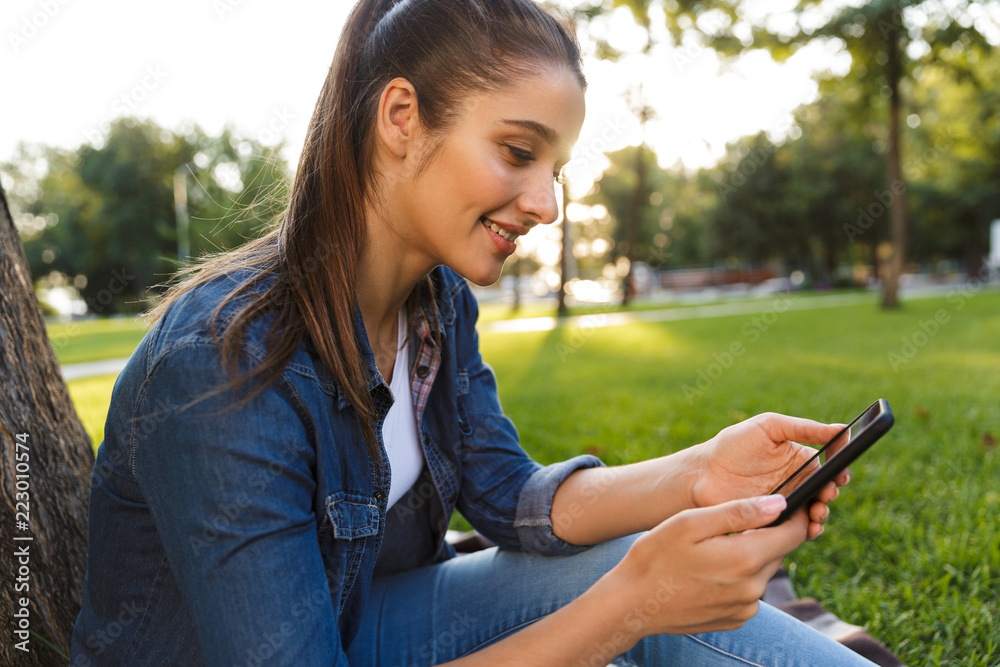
(93, 368)
(778, 303)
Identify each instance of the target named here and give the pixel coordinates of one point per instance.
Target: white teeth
(510, 236)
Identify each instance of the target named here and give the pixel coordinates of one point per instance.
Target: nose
(538, 203)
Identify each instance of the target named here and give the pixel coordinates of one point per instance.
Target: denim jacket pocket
(352, 521)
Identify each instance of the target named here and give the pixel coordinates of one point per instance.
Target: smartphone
(803, 485)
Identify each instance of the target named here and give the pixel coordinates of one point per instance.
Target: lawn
(92, 340)
(913, 548)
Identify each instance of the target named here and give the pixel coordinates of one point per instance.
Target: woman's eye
(520, 154)
(526, 156)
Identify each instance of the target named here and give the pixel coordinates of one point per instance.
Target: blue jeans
(441, 612)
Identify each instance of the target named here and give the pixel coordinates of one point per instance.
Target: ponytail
(448, 49)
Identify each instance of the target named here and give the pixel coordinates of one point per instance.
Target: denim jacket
(249, 535)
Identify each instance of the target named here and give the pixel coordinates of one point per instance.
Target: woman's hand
(690, 574)
(753, 457)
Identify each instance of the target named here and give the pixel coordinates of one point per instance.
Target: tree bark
(894, 267)
(632, 221)
(564, 250)
(47, 460)
(516, 275)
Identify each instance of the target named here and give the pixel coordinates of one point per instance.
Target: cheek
(466, 185)
(486, 184)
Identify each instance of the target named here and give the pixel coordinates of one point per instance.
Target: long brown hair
(448, 49)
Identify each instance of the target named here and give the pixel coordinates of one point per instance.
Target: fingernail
(772, 504)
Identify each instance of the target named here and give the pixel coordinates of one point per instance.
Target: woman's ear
(397, 122)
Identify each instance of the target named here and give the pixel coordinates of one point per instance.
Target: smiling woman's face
(492, 178)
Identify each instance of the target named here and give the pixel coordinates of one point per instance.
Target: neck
(387, 272)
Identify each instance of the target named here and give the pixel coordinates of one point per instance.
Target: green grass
(913, 548)
(92, 340)
(91, 397)
(493, 311)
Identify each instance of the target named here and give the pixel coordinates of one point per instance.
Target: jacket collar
(446, 292)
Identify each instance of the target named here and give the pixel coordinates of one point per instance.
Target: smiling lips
(500, 231)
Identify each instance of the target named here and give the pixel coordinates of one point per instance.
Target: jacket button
(423, 371)
(378, 495)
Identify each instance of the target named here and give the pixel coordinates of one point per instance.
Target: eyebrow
(543, 131)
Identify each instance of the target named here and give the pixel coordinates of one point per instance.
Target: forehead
(548, 105)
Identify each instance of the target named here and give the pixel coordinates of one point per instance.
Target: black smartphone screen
(854, 439)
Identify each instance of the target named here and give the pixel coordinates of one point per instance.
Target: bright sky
(72, 66)
(69, 67)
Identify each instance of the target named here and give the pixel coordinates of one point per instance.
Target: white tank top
(399, 431)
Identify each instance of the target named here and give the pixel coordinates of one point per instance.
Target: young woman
(287, 444)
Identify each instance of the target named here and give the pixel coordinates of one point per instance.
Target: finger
(769, 544)
(798, 525)
(734, 516)
(819, 513)
(815, 530)
(780, 428)
(828, 493)
(843, 478)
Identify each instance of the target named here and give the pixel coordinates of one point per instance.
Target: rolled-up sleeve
(534, 507)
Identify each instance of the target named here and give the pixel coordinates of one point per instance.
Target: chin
(480, 274)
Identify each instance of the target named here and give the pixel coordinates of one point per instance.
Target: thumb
(736, 516)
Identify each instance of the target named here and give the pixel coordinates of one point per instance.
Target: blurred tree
(668, 205)
(104, 216)
(883, 38)
(955, 160)
(130, 233)
(236, 187)
(811, 201)
(565, 248)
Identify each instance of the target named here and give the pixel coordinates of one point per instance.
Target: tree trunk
(632, 222)
(516, 275)
(894, 267)
(561, 309)
(47, 460)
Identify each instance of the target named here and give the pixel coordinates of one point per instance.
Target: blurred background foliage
(101, 218)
